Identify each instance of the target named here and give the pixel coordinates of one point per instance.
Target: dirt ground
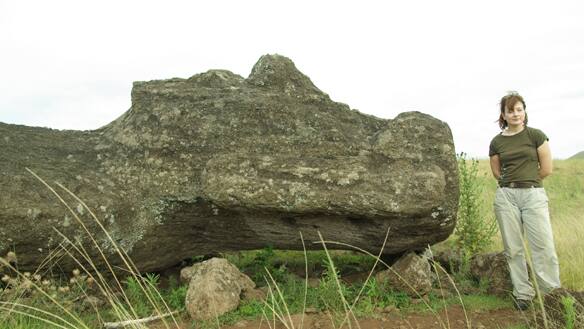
(453, 318)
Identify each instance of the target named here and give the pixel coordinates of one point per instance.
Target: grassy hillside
(579, 155)
(565, 189)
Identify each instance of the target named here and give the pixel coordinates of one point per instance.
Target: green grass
(278, 262)
(374, 296)
(485, 302)
(321, 298)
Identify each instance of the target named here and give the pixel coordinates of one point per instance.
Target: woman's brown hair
(508, 101)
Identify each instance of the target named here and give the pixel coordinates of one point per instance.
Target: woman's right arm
(496, 166)
(545, 160)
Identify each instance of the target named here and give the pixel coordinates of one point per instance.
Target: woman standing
(520, 159)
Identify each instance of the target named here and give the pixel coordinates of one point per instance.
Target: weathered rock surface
(217, 162)
(492, 268)
(411, 274)
(449, 259)
(215, 288)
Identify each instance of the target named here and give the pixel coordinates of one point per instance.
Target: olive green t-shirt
(518, 156)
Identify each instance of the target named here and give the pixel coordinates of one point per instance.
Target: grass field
(565, 190)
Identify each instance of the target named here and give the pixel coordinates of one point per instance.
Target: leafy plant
(263, 260)
(569, 311)
(474, 230)
(372, 297)
(175, 294)
(328, 290)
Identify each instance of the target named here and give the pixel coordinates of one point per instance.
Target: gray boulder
(215, 288)
(410, 274)
(493, 269)
(490, 268)
(217, 162)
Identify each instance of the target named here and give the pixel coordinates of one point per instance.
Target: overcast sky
(71, 64)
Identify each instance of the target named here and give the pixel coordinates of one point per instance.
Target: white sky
(70, 64)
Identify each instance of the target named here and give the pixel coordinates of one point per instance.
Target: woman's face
(515, 116)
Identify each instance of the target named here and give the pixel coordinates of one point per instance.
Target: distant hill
(579, 155)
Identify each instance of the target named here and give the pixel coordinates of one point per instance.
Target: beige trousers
(523, 212)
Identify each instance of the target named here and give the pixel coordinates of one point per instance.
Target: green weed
(475, 226)
(569, 312)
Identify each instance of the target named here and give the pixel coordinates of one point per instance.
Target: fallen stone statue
(217, 162)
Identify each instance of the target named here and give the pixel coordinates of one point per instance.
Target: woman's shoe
(522, 304)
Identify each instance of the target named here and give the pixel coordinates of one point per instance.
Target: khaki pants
(523, 212)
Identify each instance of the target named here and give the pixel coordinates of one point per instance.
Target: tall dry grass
(112, 291)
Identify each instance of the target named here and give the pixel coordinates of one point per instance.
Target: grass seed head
(26, 284)
(11, 257)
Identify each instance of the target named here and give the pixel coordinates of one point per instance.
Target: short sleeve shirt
(518, 156)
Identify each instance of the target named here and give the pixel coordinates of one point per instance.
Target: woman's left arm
(545, 160)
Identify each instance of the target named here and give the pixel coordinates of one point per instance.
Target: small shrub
(398, 299)
(136, 296)
(372, 297)
(176, 294)
(263, 260)
(250, 309)
(328, 290)
(137, 293)
(474, 229)
(569, 311)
